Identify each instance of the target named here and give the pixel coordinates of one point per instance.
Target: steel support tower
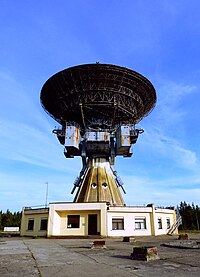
(98, 107)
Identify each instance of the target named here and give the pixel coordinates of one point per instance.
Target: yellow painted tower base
(99, 184)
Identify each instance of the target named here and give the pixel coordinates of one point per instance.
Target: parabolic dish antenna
(98, 96)
(98, 106)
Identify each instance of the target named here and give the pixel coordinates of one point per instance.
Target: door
(92, 224)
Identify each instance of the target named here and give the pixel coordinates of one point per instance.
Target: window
(104, 185)
(94, 185)
(168, 223)
(159, 223)
(30, 224)
(73, 221)
(117, 224)
(140, 223)
(43, 224)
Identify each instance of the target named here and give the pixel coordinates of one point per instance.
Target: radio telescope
(98, 107)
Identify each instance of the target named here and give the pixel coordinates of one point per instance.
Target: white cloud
(161, 197)
(24, 143)
(169, 109)
(26, 189)
(171, 191)
(29, 153)
(167, 134)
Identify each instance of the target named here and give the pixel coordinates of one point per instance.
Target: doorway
(92, 224)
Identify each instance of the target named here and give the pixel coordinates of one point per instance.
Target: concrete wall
(36, 215)
(58, 218)
(163, 214)
(83, 229)
(129, 225)
(130, 214)
(58, 213)
(11, 229)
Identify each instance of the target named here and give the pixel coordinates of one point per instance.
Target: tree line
(9, 219)
(190, 217)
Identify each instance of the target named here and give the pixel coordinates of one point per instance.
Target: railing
(35, 207)
(176, 224)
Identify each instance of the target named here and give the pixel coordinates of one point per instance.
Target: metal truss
(98, 95)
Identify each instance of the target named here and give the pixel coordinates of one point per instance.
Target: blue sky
(159, 39)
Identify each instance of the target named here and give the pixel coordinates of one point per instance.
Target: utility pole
(47, 187)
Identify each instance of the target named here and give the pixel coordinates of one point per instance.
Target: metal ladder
(176, 224)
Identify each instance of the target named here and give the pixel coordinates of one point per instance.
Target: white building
(88, 219)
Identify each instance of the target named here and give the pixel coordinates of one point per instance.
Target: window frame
(142, 223)
(168, 221)
(118, 222)
(46, 224)
(160, 225)
(30, 224)
(73, 225)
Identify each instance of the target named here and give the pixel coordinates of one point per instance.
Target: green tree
(1, 227)
(9, 219)
(190, 216)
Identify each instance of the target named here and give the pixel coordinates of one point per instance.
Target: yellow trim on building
(96, 219)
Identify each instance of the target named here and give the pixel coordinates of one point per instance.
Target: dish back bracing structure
(98, 107)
